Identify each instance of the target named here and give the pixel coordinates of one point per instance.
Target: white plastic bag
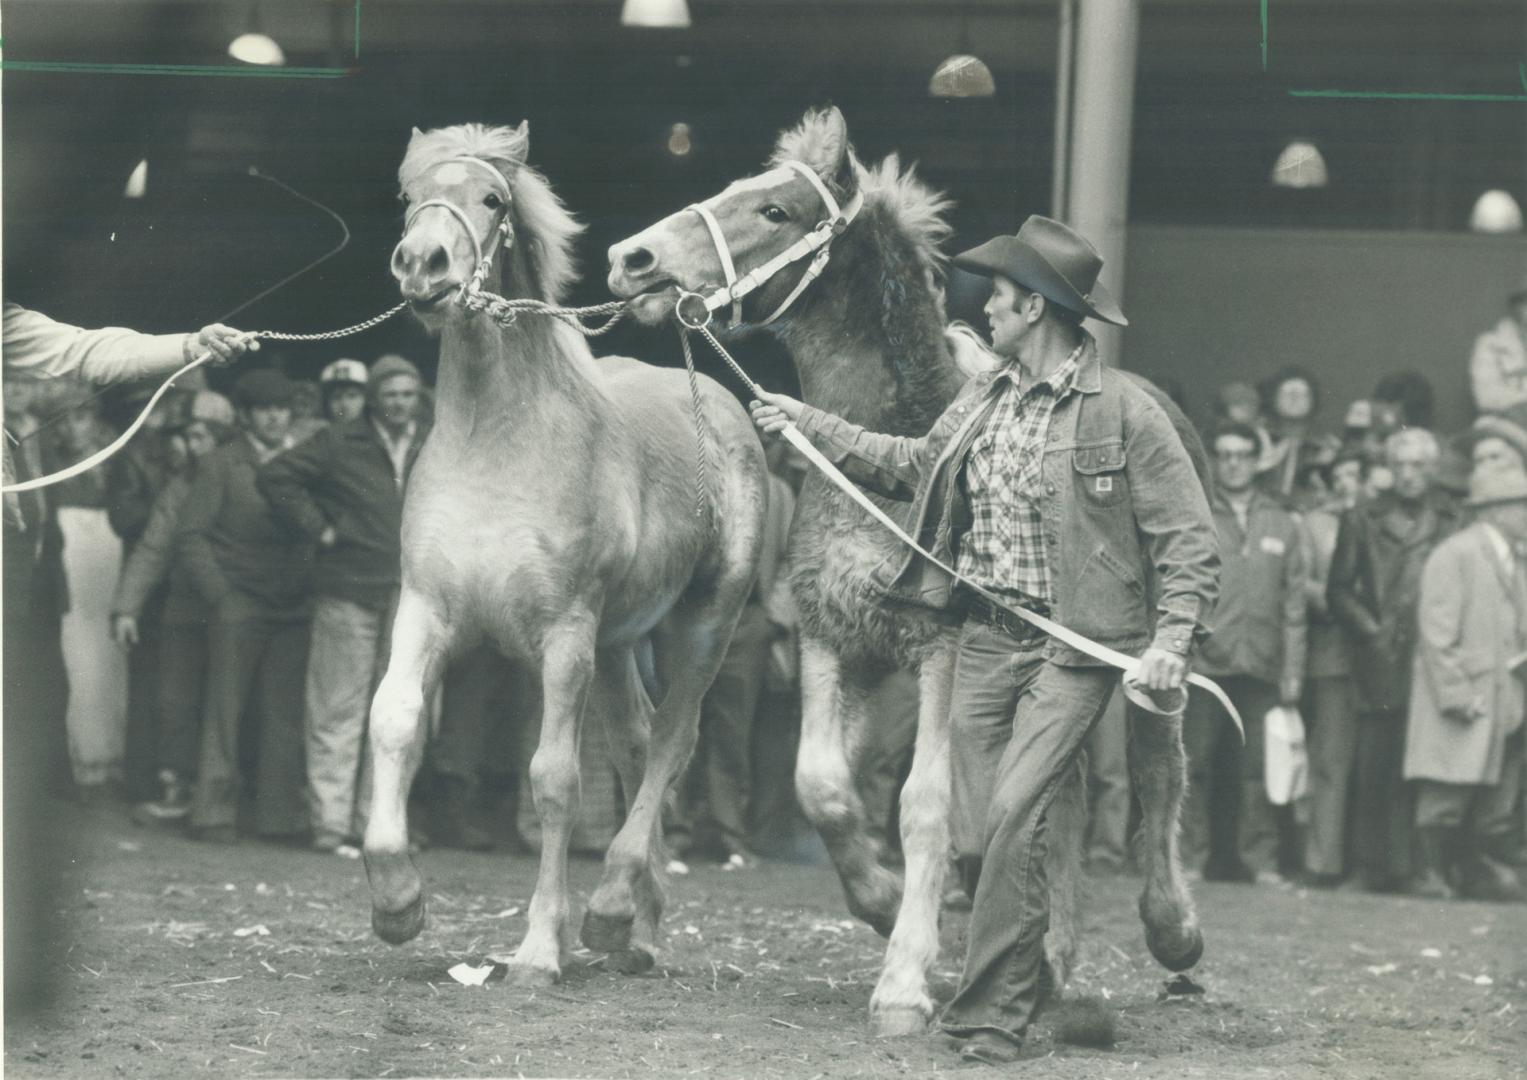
(1285, 762)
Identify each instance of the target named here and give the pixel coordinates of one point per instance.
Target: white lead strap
(1128, 665)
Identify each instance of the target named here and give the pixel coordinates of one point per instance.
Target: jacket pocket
(1100, 481)
(1108, 602)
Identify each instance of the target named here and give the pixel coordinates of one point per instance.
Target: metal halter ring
(678, 310)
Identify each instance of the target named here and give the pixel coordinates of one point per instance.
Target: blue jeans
(346, 660)
(1017, 724)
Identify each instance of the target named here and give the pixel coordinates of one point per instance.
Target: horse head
(737, 233)
(478, 216)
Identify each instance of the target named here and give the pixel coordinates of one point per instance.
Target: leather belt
(982, 610)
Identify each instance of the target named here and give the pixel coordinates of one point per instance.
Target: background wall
(1207, 305)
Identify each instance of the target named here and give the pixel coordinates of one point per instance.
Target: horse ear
(822, 143)
(519, 144)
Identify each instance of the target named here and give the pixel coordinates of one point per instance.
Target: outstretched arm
(41, 348)
(889, 465)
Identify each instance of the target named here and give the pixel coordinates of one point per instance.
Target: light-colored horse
(869, 343)
(553, 511)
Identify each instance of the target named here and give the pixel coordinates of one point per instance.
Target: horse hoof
(637, 960)
(903, 1020)
(606, 933)
(1176, 952)
(533, 978)
(396, 927)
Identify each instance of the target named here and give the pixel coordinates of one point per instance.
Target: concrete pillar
(1093, 138)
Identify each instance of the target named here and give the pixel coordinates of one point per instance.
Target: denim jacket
(1130, 537)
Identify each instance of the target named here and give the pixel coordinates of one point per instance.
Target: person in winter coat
(154, 575)
(1373, 591)
(342, 490)
(1463, 743)
(1256, 651)
(257, 577)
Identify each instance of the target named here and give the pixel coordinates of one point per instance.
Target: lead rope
(1126, 664)
(702, 458)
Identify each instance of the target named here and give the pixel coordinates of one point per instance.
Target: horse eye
(776, 214)
(492, 201)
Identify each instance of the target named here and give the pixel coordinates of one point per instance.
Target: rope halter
(504, 228)
(694, 310)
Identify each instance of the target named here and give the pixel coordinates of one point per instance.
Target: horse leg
(901, 1004)
(623, 913)
(567, 668)
(419, 645)
(622, 702)
(832, 722)
(1066, 827)
(1158, 767)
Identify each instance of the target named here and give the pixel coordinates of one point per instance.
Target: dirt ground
(185, 959)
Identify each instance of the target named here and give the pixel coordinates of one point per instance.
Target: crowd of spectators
(218, 604)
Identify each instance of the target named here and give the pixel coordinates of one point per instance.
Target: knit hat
(344, 370)
(262, 388)
(208, 406)
(388, 366)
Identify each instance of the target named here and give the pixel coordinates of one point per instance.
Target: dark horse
(870, 344)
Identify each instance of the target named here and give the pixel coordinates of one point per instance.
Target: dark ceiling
(601, 97)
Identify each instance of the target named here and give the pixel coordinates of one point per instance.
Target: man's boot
(1491, 876)
(453, 825)
(1431, 880)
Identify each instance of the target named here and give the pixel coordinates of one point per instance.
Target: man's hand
(124, 630)
(224, 343)
(775, 411)
(1161, 670)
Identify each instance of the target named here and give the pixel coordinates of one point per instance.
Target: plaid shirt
(1004, 548)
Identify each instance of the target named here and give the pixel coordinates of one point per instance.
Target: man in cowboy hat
(1463, 739)
(1058, 484)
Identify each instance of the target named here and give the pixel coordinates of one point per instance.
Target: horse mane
(545, 232)
(916, 208)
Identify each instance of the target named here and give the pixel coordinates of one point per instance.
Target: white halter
(817, 241)
(505, 228)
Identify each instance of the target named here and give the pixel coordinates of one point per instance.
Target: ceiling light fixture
(1300, 165)
(656, 14)
(254, 46)
(962, 74)
(137, 181)
(1496, 211)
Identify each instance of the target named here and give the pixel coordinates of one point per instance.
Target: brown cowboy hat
(1053, 260)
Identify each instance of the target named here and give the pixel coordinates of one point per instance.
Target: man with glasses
(1256, 652)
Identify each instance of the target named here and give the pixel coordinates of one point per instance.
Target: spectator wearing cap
(1498, 364)
(257, 577)
(172, 738)
(342, 490)
(1373, 591)
(1256, 651)
(1463, 744)
(344, 390)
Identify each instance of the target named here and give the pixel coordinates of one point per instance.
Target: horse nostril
(439, 263)
(638, 260)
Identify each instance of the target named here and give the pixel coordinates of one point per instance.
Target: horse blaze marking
(451, 173)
